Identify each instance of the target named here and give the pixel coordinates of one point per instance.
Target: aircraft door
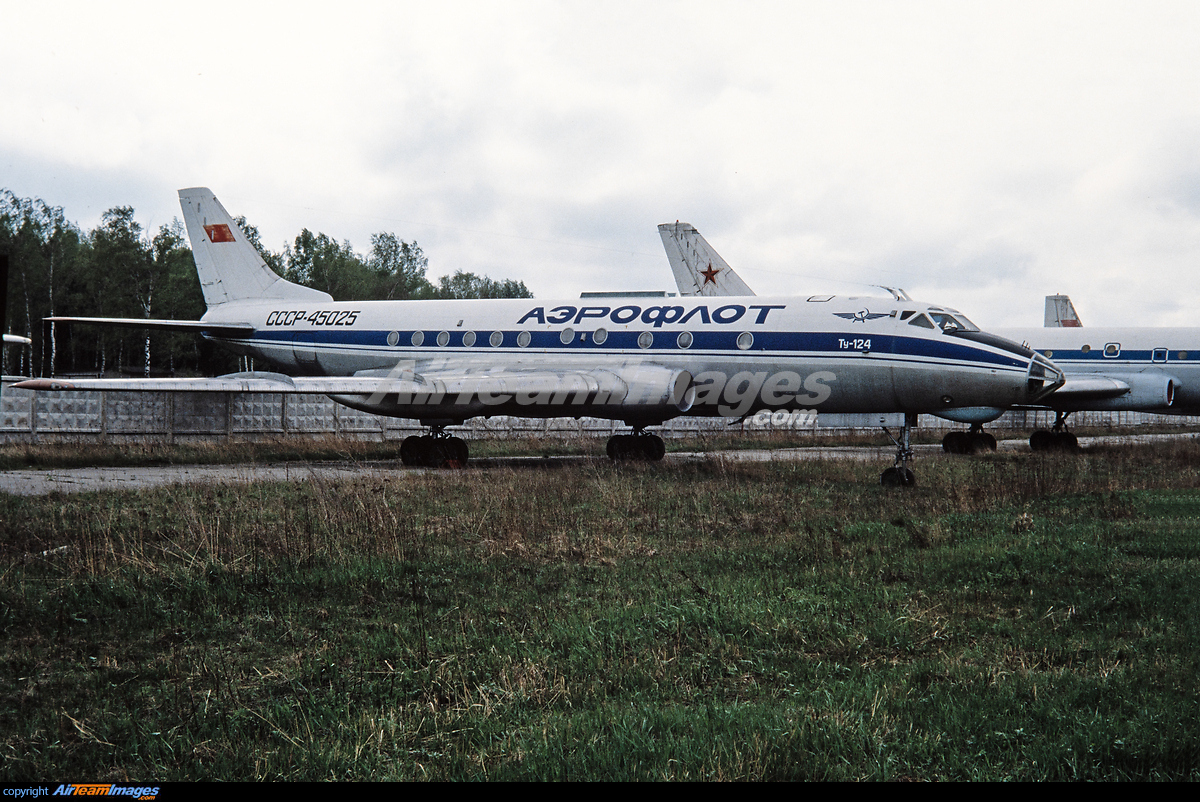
(304, 350)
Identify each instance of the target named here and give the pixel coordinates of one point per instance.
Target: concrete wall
(55, 416)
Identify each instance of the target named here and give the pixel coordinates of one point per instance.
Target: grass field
(1012, 617)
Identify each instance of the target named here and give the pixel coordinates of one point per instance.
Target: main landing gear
(972, 441)
(1057, 439)
(900, 475)
(435, 450)
(641, 446)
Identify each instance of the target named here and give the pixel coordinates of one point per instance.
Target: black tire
(616, 447)
(897, 477)
(411, 451)
(657, 449)
(1067, 442)
(1041, 440)
(955, 443)
(982, 441)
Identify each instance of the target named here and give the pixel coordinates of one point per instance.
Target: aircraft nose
(1042, 378)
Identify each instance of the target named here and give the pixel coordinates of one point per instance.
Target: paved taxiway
(81, 480)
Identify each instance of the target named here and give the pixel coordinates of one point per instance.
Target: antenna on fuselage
(897, 293)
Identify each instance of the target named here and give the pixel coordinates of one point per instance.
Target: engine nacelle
(640, 394)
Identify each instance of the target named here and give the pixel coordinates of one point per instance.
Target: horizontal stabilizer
(219, 329)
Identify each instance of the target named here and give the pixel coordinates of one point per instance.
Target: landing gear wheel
(411, 450)
(641, 447)
(982, 441)
(460, 453)
(956, 443)
(428, 451)
(1064, 441)
(898, 477)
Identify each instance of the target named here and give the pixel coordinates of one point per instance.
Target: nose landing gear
(900, 475)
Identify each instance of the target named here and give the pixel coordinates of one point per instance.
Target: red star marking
(710, 275)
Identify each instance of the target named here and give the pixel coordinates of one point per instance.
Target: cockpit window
(967, 325)
(952, 324)
(906, 314)
(922, 321)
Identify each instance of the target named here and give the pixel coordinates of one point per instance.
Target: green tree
(399, 268)
(126, 276)
(320, 262)
(47, 254)
(469, 285)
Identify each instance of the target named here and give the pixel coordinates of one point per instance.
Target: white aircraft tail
(230, 268)
(698, 269)
(1060, 313)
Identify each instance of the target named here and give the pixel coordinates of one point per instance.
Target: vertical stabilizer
(1060, 313)
(230, 268)
(698, 269)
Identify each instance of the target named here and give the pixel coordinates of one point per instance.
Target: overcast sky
(977, 155)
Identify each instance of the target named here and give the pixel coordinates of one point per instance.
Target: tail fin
(1060, 313)
(698, 269)
(230, 268)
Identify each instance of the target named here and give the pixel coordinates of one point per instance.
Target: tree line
(119, 269)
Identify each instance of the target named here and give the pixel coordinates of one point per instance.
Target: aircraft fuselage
(742, 354)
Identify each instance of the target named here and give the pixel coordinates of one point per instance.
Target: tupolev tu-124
(641, 361)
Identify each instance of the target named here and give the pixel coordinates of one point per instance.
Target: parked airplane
(1138, 369)
(638, 360)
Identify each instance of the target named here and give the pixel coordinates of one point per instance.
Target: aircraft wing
(220, 329)
(638, 384)
(1081, 387)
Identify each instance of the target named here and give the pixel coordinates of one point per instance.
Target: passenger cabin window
(1112, 350)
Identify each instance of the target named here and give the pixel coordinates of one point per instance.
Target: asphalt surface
(29, 482)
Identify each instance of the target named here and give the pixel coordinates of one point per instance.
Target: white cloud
(984, 156)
